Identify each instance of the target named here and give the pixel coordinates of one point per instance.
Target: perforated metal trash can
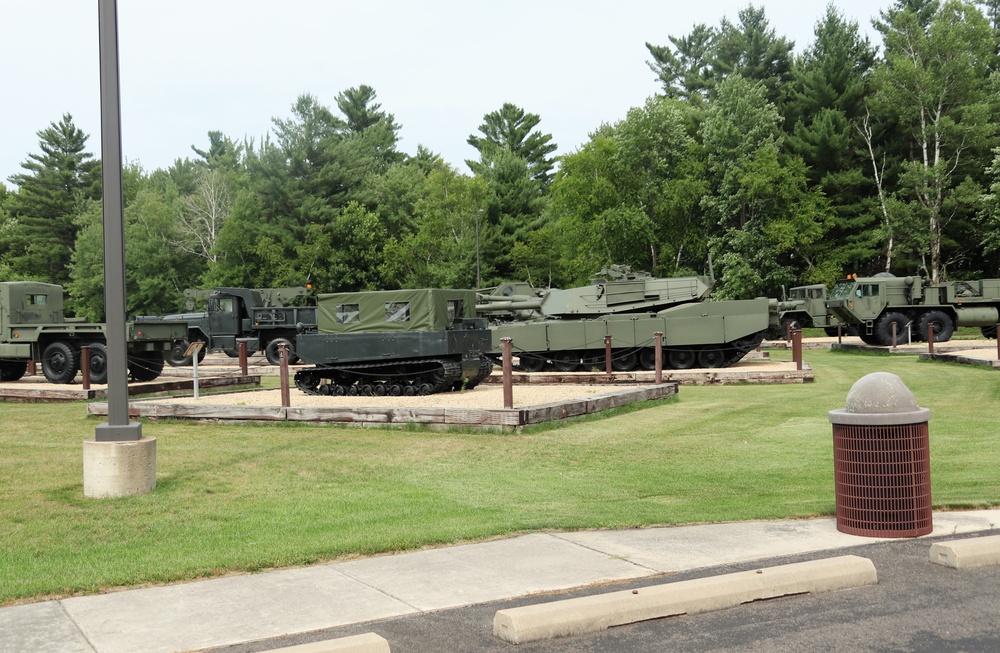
(881, 460)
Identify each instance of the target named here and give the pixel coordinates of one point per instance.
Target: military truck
(258, 315)
(394, 342)
(33, 327)
(875, 304)
(803, 307)
(566, 328)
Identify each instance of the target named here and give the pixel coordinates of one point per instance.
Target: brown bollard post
(930, 337)
(658, 357)
(840, 334)
(508, 376)
(797, 348)
(85, 365)
(242, 345)
(998, 341)
(607, 355)
(32, 370)
(286, 399)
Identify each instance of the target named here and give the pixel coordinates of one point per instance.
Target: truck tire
(145, 365)
(60, 362)
(883, 328)
(98, 363)
(12, 370)
(176, 357)
(943, 326)
(273, 353)
(989, 332)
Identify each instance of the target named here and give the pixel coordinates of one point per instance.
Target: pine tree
(50, 194)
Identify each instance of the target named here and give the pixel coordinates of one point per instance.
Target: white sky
(192, 66)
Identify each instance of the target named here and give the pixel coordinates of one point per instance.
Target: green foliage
(51, 190)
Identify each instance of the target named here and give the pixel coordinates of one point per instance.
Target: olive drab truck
(260, 317)
(33, 327)
(880, 305)
(804, 307)
(567, 328)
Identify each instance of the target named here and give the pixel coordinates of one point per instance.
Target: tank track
(728, 354)
(422, 376)
(485, 369)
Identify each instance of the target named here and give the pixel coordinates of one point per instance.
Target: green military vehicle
(33, 327)
(875, 305)
(804, 307)
(394, 342)
(566, 328)
(258, 316)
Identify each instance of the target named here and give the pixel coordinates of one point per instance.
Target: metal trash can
(881, 460)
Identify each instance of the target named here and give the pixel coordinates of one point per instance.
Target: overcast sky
(192, 66)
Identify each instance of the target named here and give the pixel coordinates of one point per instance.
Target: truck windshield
(842, 290)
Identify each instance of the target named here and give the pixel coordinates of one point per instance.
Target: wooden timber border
(718, 376)
(961, 360)
(490, 418)
(42, 392)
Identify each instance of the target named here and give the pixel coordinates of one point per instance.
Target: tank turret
(612, 291)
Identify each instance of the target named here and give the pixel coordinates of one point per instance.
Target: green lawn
(245, 497)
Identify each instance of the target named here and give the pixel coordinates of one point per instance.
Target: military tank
(393, 343)
(566, 329)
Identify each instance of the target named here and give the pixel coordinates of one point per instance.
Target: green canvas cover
(393, 310)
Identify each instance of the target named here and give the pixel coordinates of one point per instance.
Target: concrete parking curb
(968, 553)
(367, 643)
(594, 613)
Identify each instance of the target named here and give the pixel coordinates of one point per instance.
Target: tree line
(781, 168)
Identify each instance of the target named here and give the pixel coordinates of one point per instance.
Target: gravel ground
(483, 396)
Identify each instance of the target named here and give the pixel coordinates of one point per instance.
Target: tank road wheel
(529, 362)
(565, 361)
(12, 370)
(647, 358)
(989, 332)
(98, 363)
(176, 357)
(943, 326)
(711, 357)
(59, 363)
(681, 359)
(273, 351)
(883, 329)
(624, 361)
(145, 365)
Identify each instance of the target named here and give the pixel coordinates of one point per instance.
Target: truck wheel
(943, 326)
(12, 371)
(98, 363)
(176, 357)
(145, 365)
(989, 332)
(59, 363)
(273, 353)
(883, 329)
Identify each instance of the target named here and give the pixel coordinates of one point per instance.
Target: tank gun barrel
(514, 303)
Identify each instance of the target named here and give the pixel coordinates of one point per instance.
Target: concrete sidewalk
(231, 610)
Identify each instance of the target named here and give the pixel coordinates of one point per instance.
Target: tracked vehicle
(394, 342)
(566, 328)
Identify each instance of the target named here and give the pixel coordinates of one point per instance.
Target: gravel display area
(484, 396)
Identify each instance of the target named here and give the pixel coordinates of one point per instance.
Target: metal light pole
(118, 462)
(118, 426)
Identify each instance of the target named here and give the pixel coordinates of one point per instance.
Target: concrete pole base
(118, 469)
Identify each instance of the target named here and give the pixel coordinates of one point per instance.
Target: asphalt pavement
(444, 599)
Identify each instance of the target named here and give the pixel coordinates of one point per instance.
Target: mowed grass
(235, 498)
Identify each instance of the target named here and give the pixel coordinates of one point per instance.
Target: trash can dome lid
(880, 394)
